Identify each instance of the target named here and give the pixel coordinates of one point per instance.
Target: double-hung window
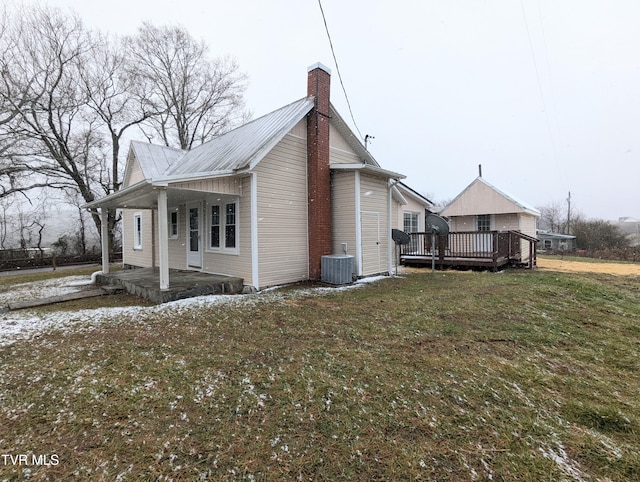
(223, 226)
(411, 222)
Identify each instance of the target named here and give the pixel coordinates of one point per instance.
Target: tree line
(71, 96)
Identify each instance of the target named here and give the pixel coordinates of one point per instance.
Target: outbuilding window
(484, 222)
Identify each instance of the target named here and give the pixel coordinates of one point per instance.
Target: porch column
(104, 235)
(163, 238)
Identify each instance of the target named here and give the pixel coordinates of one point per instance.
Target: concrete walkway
(145, 282)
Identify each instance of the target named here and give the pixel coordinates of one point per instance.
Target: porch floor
(145, 282)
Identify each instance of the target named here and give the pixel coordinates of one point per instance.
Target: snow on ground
(26, 324)
(44, 289)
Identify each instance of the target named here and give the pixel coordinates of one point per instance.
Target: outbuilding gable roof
(459, 207)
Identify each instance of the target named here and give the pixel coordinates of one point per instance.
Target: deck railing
(491, 246)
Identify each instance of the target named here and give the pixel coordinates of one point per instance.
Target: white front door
(194, 243)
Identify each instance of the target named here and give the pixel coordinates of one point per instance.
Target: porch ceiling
(144, 195)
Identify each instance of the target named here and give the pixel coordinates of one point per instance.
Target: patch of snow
(25, 324)
(562, 460)
(44, 289)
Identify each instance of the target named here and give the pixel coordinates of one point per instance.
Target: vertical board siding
(223, 185)
(282, 213)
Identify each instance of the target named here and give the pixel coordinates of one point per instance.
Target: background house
(412, 208)
(264, 202)
(483, 208)
(556, 241)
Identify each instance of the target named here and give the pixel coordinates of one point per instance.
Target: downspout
(255, 258)
(390, 241)
(358, 224)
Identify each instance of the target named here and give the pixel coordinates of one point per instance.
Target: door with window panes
(483, 241)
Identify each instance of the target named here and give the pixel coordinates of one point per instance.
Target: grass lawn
(517, 375)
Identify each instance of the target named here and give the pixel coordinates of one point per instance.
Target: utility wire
(335, 60)
(535, 66)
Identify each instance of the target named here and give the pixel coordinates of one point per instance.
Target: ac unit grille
(337, 269)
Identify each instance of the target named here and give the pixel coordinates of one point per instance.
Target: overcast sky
(545, 94)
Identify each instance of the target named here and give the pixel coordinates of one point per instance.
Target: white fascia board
(141, 186)
(198, 176)
(368, 168)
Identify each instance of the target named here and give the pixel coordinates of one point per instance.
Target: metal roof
(242, 147)
(154, 160)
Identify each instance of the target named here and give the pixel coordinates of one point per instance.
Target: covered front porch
(144, 282)
(166, 230)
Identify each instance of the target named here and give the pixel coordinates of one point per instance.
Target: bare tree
(198, 98)
(68, 96)
(552, 217)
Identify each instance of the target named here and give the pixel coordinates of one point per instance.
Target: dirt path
(588, 267)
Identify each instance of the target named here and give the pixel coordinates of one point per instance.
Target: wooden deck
(484, 249)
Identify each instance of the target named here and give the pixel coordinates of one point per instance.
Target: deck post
(163, 241)
(104, 235)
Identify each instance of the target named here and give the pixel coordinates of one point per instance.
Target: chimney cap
(318, 65)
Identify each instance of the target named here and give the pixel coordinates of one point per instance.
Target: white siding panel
(343, 213)
(137, 257)
(233, 264)
(133, 173)
(282, 213)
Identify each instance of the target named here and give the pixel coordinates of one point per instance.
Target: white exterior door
(370, 222)
(194, 242)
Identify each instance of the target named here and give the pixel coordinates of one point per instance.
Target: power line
(335, 60)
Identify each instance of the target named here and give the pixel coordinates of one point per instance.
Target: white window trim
(223, 220)
(177, 213)
(137, 233)
(413, 215)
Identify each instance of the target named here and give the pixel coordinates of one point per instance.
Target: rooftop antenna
(366, 140)
(479, 170)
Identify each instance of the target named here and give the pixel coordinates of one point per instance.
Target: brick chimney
(318, 173)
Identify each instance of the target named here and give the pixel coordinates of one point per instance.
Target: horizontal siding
(233, 264)
(282, 213)
(343, 213)
(137, 257)
(337, 156)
